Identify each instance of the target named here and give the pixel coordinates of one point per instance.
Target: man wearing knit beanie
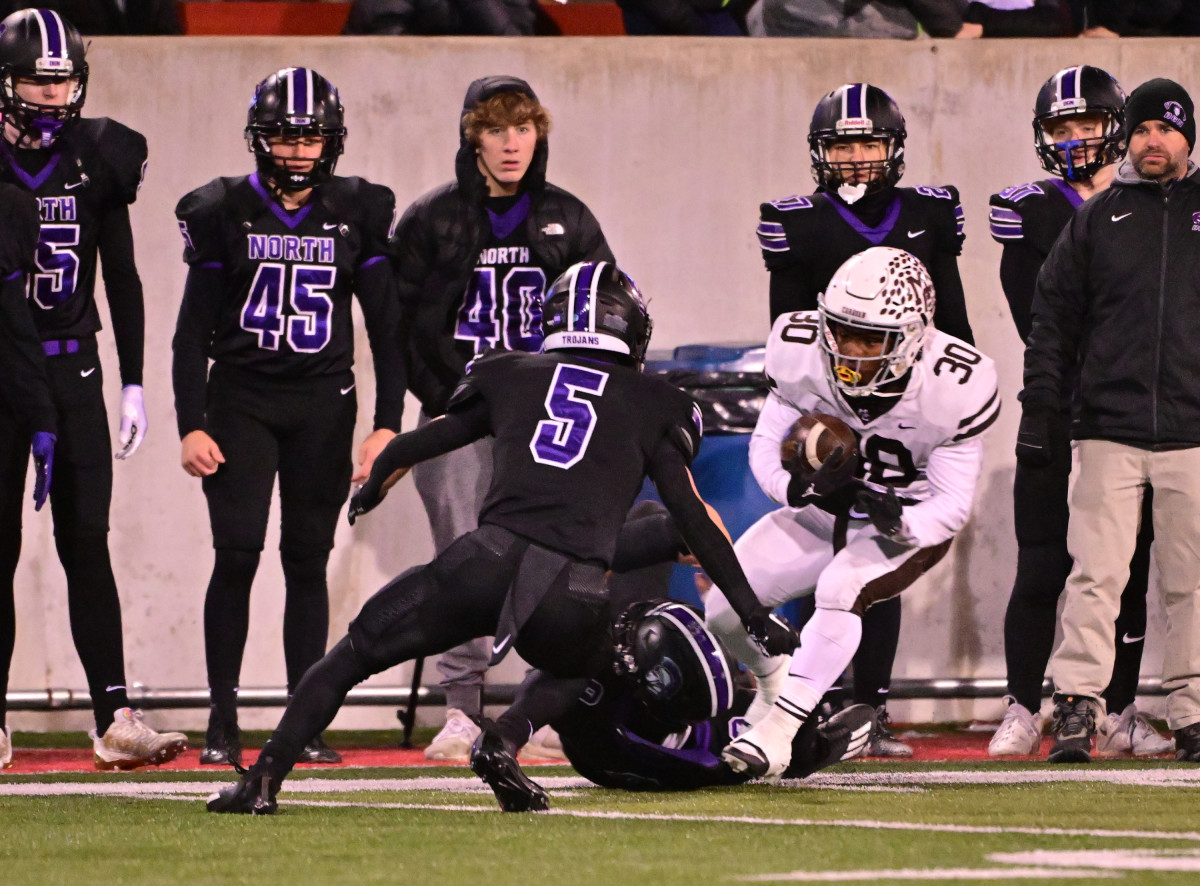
(1154, 111)
(1117, 307)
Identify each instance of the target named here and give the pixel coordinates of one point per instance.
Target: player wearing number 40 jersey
(577, 430)
(84, 173)
(860, 530)
(274, 259)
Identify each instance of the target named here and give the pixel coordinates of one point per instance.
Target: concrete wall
(673, 143)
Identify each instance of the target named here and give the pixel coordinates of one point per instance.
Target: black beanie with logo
(1163, 100)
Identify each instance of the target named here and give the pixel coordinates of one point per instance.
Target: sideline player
(474, 257)
(1077, 133)
(856, 141)
(919, 400)
(273, 259)
(84, 173)
(576, 432)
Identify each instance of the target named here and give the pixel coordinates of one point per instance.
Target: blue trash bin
(727, 382)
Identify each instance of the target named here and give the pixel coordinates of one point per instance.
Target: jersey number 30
(304, 319)
(561, 440)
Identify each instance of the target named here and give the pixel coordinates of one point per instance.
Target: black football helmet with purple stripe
(293, 103)
(40, 46)
(1081, 90)
(856, 110)
(682, 673)
(596, 306)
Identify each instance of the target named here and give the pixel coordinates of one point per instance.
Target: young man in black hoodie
(474, 257)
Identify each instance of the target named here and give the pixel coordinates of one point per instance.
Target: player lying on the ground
(875, 514)
(658, 719)
(577, 430)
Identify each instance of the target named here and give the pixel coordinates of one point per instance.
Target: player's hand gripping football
(808, 486)
(770, 633)
(884, 510)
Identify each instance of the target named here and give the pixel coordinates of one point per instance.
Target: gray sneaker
(129, 743)
(1074, 726)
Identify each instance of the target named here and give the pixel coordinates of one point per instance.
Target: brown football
(814, 437)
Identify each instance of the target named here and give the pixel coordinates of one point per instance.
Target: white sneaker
(544, 745)
(5, 747)
(767, 691)
(1130, 732)
(766, 749)
(129, 743)
(1019, 733)
(453, 743)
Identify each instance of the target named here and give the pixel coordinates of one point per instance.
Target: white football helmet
(881, 290)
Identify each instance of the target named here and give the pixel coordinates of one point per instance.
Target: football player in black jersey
(474, 257)
(84, 174)
(274, 258)
(856, 142)
(1077, 133)
(576, 431)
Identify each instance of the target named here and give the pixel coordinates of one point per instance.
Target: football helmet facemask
(596, 306)
(39, 45)
(857, 110)
(881, 291)
(294, 103)
(682, 672)
(1072, 92)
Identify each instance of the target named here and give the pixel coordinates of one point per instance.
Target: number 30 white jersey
(928, 445)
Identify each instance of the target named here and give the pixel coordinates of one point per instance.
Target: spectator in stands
(1135, 18)
(696, 18)
(490, 18)
(103, 17)
(1017, 18)
(902, 19)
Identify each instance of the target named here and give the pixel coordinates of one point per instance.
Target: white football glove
(133, 421)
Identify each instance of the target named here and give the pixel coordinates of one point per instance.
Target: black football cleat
(514, 790)
(253, 795)
(843, 736)
(222, 744)
(316, 751)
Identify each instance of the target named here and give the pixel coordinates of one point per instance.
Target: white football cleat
(1019, 733)
(453, 743)
(767, 690)
(129, 743)
(765, 750)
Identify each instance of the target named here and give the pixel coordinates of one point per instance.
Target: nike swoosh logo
(346, 391)
(1129, 639)
(908, 427)
(86, 372)
(912, 234)
(329, 226)
(497, 648)
(1119, 217)
(73, 185)
(111, 688)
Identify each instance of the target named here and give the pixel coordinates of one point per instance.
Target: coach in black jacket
(474, 257)
(1120, 295)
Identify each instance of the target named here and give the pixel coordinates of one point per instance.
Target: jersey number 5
(57, 271)
(561, 440)
(306, 323)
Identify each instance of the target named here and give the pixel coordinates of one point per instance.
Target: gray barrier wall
(673, 143)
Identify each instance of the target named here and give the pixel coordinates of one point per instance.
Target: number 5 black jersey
(84, 184)
(574, 439)
(805, 239)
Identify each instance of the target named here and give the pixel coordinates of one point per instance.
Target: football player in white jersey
(855, 531)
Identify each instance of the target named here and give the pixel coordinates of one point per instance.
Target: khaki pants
(1106, 500)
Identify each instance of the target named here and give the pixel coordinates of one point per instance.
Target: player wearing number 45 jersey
(918, 400)
(274, 258)
(84, 173)
(576, 430)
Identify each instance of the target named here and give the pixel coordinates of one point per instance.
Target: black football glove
(365, 498)
(770, 633)
(1035, 444)
(808, 487)
(884, 510)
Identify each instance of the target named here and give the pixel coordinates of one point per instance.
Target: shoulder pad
(787, 204)
(1005, 222)
(122, 149)
(949, 192)
(199, 214)
(1017, 193)
(204, 200)
(970, 377)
